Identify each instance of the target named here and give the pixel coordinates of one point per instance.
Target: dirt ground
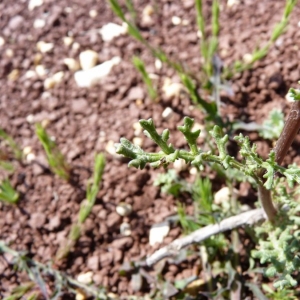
(86, 121)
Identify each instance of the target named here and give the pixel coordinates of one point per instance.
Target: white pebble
(40, 70)
(179, 165)
(230, 3)
(30, 74)
(125, 229)
(34, 3)
(72, 64)
(110, 147)
(44, 47)
(158, 64)
(137, 141)
(85, 278)
(39, 23)
(222, 195)
(2, 41)
(88, 59)
(93, 13)
(68, 40)
(137, 128)
(158, 232)
(124, 209)
(247, 58)
(88, 78)
(167, 113)
(30, 119)
(176, 20)
(111, 30)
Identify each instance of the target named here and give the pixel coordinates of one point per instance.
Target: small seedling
(140, 66)
(12, 144)
(55, 158)
(7, 193)
(85, 208)
(279, 238)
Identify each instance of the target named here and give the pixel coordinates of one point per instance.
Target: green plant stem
(286, 138)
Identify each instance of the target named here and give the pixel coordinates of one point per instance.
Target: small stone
(30, 158)
(13, 75)
(9, 53)
(137, 128)
(80, 295)
(167, 113)
(58, 77)
(111, 30)
(34, 3)
(122, 243)
(137, 141)
(88, 78)
(54, 223)
(75, 46)
(176, 20)
(88, 59)
(124, 209)
(93, 262)
(27, 150)
(193, 171)
(93, 13)
(44, 47)
(15, 22)
(85, 278)
(158, 232)
(2, 41)
(39, 23)
(68, 40)
(223, 195)
(110, 147)
(247, 58)
(113, 219)
(125, 229)
(172, 89)
(37, 220)
(136, 93)
(40, 70)
(231, 3)
(79, 106)
(37, 59)
(30, 74)
(158, 64)
(185, 22)
(72, 64)
(179, 165)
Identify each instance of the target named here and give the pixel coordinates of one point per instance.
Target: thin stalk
(286, 138)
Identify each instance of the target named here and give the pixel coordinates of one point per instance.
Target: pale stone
(137, 141)
(148, 10)
(185, 22)
(158, 64)
(68, 9)
(9, 53)
(30, 158)
(13, 75)
(30, 74)
(58, 77)
(68, 40)
(172, 89)
(179, 165)
(230, 3)
(88, 78)
(124, 209)
(125, 229)
(34, 3)
(85, 278)
(40, 70)
(88, 59)
(30, 119)
(158, 232)
(137, 128)
(110, 147)
(72, 64)
(193, 171)
(93, 13)
(167, 113)
(247, 58)
(199, 34)
(27, 150)
(111, 30)
(176, 20)
(39, 23)
(2, 41)
(50, 82)
(37, 59)
(298, 24)
(222, 195)
(44, 47)
(75, 46)
(80, 295)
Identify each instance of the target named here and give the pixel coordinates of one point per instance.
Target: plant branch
(245, 218)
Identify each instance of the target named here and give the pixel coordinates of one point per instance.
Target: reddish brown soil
(83, 121)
